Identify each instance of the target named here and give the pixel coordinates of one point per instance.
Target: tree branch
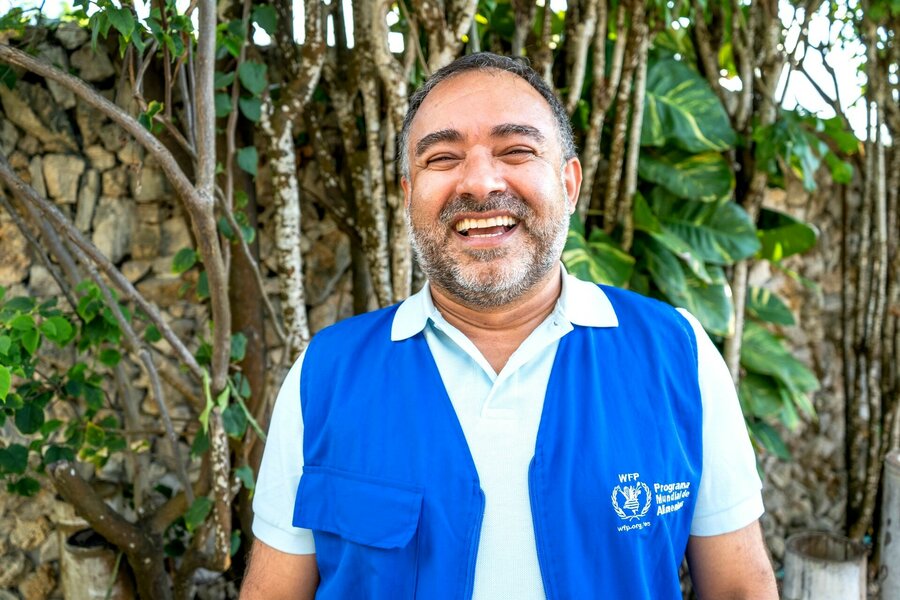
(28, 196)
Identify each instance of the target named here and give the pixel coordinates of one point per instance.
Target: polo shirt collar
(580, 302)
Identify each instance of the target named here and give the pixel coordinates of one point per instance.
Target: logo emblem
(636, 500)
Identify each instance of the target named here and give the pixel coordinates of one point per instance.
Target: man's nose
(480, 176)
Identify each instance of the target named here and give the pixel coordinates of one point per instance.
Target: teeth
(466, 224)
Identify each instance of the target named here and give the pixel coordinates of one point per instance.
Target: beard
(491, 277)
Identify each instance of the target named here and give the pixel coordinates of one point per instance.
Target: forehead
(476, 101)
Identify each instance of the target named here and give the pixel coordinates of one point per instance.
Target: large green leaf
(762, 352)
(720, 234)
(765, 305)
(646, 221)
(704, 176)
(781, 235)
(768, 438)
(760, 395)
(599, 260)
(709, 302)
(683, 111)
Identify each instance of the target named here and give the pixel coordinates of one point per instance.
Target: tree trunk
(822, 566)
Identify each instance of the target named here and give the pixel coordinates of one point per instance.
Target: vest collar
(582, 303)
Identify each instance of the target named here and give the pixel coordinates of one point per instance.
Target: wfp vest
(391, 493)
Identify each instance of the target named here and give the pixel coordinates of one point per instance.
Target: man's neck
(498, 331)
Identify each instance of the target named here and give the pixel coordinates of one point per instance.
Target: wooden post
(824, 566)
(889, 532)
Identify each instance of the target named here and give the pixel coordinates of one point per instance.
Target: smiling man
(508, 432)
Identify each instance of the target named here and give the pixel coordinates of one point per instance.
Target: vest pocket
(364, 529)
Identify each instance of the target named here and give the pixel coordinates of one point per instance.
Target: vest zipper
(473, 546)
(537, 538)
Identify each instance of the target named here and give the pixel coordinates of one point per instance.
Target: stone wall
(121, 200)
(809, 492)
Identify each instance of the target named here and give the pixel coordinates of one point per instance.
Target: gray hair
(486, 61)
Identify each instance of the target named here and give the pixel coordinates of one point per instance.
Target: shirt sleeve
(279, 473)
(730, 492)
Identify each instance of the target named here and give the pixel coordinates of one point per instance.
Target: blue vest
(391, 493)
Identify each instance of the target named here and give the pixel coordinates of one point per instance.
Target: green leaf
(200, 444)
(646, 221)
(223, 80)
(760, 395)
(8, 77)
(711, 302)
(234, 421)
(238, 347)
(264, 15)
(110, 357)
(682, 110)
(5, 343)
(22, 323)
(720, 234)
(203, 286)
(769, 439)
(184, 260)
(251, 108)
(247, 159)
(29, 418)
(235, 542)
(95, 436)
(24, 486)
(253, 76)
(222, 104)
(5, 380)
(765, 305)
(63, 332)
(841, 170)
(13, 459)
(21, 304)
(781, 235)
(152, 334)
(31, 340)
(122, 20)
(705, 177)
(197, 513)
(597, 262)
(245, 475)
(56, 453)
(762, 352)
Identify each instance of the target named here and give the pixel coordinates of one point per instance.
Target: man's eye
(519, 152)
(442, 158)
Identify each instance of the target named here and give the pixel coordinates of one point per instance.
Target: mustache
(467, 203)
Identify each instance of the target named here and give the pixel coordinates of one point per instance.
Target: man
(509, 432)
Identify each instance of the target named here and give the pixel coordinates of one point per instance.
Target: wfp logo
(631, 501)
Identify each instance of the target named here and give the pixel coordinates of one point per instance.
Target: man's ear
(572, 181)
(407, 191)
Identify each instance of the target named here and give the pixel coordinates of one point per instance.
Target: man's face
(489, 194)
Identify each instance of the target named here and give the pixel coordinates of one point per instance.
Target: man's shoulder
(643, 306)
(358, 326)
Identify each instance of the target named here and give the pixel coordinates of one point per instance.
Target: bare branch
(583, 34)
(28, 196)
(52, 240)
(134, 346)
(144, 551)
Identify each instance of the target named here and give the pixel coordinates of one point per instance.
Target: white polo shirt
(499, 414)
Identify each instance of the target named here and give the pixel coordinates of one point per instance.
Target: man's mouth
(489, 227)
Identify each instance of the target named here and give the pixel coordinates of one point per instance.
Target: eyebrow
(513, 129)
(436, 137)
(453, 135)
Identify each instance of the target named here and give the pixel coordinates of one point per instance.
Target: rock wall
(809, 492)
(121, 200)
